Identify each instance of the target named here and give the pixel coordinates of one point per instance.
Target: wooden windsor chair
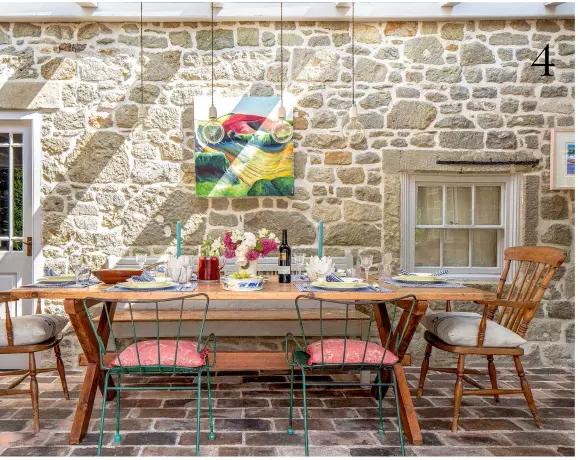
(500, 330)
(31, 334)
(149, 357)
(346, 354)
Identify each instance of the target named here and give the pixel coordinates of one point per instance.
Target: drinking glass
(141, 259)
(299, 261)
(366, 263)
(388, 264)
(76, 264)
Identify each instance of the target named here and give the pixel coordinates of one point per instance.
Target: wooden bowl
(115, 275)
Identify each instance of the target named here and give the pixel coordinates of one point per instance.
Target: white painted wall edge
(110, 11)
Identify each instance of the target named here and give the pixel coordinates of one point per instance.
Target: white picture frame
(562, 159)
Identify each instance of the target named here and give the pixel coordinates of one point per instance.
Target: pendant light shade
(282, 130)
(353, 130)
(139, 133)
(213, 132)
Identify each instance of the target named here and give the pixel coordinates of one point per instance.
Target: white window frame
(508, 230)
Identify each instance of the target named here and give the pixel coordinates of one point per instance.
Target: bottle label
(284, 270)
(282, 256)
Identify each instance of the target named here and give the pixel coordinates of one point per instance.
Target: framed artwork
(562, 159)
(248, 161)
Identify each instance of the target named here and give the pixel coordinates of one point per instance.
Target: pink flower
(268, 246)
(229, 253)
(228, 241)
(252, 254)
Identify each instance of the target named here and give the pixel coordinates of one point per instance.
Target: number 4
(547, 64)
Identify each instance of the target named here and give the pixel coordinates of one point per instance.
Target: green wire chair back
(158, 368)
(399, 324)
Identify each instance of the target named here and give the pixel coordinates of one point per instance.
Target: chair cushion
(333, 352)
(33, 329)
(187, 355)
(461, 328)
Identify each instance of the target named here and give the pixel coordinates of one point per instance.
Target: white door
(16, 261)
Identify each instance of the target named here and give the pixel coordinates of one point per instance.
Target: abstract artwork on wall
(562, 159)
(248, 161)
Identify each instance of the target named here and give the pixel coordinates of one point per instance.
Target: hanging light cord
(141, 61)
(281, 54)
(353, 52)
(212, 54)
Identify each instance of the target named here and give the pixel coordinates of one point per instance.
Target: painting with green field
(248, 161)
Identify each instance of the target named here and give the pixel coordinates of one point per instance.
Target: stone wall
(425, 90)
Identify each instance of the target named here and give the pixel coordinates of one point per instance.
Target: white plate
(330, 285)
(57, 279)
(147, 284)
(351, 280)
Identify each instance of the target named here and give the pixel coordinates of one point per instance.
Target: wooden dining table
(272, 291)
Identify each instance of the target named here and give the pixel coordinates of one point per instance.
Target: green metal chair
(363, 355)
(140, 357)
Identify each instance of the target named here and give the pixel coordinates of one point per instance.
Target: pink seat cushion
(187, 355)
(333, 352)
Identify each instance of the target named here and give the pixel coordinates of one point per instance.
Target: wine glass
(75, 262)
(366, 263)
(141, 259)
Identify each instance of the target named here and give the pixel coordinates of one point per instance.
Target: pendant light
(213, 131)
(139, 134)
(352, 130)
(282, 131)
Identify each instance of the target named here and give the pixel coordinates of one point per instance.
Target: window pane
(429, 205)
(427, 247)
(456, 248)
(488, 205)
(17, 138)
(459, 206)
(4, 139)
(485, 248)
(4, 246)
(4, 191)
(17, 192)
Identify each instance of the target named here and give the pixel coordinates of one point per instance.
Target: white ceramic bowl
(253, 283)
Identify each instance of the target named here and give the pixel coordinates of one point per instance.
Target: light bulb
(213, 131)
(282, 130)
(353, 130)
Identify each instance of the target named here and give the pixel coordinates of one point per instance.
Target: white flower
(263, 233)
(237, 236)
(250, 240)
(272, 236)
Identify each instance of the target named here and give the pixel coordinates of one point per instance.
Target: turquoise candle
(179, 228)
(320, 238)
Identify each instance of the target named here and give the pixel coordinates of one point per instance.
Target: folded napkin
(49, 272)
(145, 277)
(438, 273)
(333, 278)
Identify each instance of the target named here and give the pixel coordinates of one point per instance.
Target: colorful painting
(248, 161)
(570, 159)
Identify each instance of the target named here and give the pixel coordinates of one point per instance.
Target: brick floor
(251, 419)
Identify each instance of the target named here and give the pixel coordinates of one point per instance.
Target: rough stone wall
(425, 90)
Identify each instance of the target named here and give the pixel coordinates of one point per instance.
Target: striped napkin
(306, 287)
(438, 273)
(145, 277)
(333, 278)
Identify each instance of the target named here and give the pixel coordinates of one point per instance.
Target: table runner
(177, 288)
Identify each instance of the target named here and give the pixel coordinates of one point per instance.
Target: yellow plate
(338, 286)
(419, 279)
(147, 284)
(57, 279)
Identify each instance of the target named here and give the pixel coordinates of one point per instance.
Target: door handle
(28, 243)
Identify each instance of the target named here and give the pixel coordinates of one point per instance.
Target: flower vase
(209, 269)
(251, 269)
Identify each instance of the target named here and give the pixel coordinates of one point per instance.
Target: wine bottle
(284, 260)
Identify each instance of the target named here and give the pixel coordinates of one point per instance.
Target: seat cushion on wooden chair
(33, 329)
(461, 329)
(187, 354)
(333, 352)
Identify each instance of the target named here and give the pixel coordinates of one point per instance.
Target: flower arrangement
(212, 248)
(247, 247)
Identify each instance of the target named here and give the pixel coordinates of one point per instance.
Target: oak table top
(272, 290)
